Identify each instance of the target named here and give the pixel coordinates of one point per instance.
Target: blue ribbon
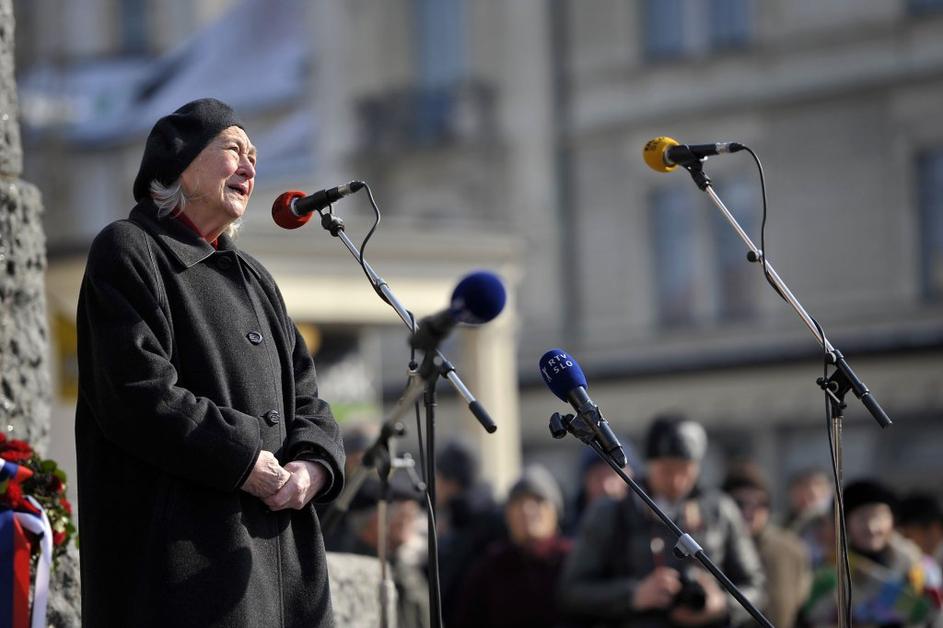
(6, 567)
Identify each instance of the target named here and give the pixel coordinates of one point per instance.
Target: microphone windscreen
(282, 214)
(561, 372)
(654, 153)
(478, 298)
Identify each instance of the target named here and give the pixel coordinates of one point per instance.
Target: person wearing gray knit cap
(201, 439)
(513, 583)
(622, 571)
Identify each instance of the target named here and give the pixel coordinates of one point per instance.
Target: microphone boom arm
(335, 226)
(848, 380)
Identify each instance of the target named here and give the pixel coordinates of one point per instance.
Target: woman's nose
(246, 168)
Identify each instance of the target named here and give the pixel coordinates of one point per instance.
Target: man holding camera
(622, 570)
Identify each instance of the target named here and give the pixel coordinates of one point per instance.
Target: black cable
(766, 273)
(412, 363)
(827, 358)
(363, 247)
(435, 541)
(839, 498)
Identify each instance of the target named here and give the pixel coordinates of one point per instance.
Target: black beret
(177, 139)
(864, 492)
(673, 436)
(919, 509)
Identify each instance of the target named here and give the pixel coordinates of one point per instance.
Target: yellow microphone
(664, 154)
(654, 153)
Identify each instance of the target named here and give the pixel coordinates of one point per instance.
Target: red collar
(189, 223)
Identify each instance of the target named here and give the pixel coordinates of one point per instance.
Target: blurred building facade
(838, 99)
(508, 135)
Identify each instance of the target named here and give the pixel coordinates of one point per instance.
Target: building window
(674, 234)
(672, 29)
(440, 40)
(923, 7)
(930, 208)
(663, 28)
(440, 65)
(134, 37)
(736, 278)
(729, 23)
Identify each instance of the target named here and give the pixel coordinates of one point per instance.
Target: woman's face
(530, 519)
(220, 180)
(870, 527)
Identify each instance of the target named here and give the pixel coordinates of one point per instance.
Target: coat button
(224, 262)
(272, 417)
(254, 337)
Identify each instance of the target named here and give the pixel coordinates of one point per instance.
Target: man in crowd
(784, 556)
(597, 479)
(622, 571)
(402, 542)
(810, 500)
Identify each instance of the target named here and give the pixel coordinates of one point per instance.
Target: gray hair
(171, 198)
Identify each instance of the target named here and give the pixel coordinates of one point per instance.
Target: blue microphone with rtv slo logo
(564, 377)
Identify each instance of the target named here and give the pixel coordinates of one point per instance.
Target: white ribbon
(39, 525)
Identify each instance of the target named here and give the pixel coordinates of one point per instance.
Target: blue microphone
(565, 379)
(478, 298)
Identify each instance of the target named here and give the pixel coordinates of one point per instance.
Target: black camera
(692, 594)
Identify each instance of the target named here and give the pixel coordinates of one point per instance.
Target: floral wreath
(46, 485)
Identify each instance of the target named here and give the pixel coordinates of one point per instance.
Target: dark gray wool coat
(188, 367)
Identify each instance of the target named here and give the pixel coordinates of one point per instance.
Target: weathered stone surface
(11, 156)
(24, 370)
(355, 590)
(64, 610)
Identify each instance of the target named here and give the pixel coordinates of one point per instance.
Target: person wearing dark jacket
(622, 571)
(200, 437)
(467, 518)
(512, 585)
(784, 557)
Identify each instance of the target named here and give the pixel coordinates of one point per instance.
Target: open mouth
(241, 190)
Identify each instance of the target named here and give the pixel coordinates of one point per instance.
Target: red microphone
(293, 208)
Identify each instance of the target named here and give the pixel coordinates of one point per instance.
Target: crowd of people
(603, 559)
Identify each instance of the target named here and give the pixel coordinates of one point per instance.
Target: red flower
(16, 451)
(58, 538)
(66, 506)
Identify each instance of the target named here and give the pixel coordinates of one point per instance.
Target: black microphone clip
(687, 154)
(323, 198)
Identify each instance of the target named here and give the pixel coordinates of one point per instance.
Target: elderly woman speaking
(200, 436)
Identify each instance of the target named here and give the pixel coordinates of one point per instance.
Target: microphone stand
(378, 456)
(434, 364)
(685, 546)
(836, 385)
(335, 226)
